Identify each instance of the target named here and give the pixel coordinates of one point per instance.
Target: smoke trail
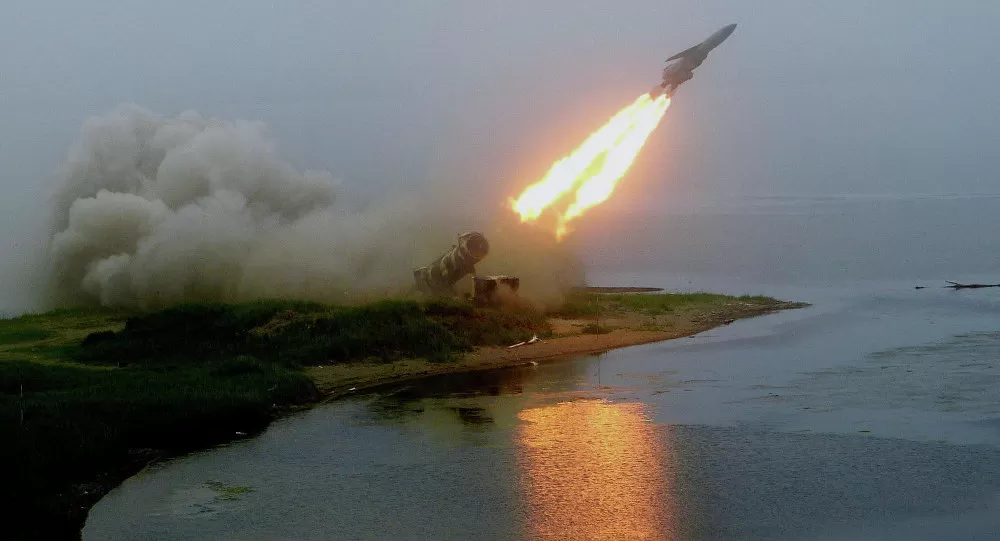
(154, 210)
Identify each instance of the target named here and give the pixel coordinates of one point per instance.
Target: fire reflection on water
(593, 469)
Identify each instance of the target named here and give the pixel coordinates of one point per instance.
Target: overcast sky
(804, 98)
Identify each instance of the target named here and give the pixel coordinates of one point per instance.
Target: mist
(450, 108)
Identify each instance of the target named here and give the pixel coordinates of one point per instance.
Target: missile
(681, 66)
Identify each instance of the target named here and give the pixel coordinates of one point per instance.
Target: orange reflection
(593, 469)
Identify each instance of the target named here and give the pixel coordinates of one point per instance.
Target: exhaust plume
(153, 210)
(588, 175)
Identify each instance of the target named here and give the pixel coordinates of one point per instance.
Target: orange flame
(592, 170)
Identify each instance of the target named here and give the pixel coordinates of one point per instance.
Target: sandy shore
(336, 381)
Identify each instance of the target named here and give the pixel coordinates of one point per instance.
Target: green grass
(385, 330)
(585, 304)
(305, 334)
(82, 390)
(488, 327)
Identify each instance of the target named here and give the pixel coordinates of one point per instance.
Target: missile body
(682, 65)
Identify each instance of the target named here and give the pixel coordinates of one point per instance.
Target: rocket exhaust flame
(588, 175)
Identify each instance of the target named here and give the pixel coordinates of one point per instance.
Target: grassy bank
(587, 322)
(88, 396)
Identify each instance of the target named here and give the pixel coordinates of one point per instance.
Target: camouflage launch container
(440, 276)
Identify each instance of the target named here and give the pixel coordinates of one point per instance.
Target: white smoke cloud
(154, 210)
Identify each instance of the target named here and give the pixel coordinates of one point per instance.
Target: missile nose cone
(718, 37)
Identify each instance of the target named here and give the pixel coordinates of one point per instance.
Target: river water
(873, 414)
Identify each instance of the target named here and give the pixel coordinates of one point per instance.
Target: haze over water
(465, 104)
(835, 241)
(870, 415)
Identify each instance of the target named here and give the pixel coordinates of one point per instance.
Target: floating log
(956, 285)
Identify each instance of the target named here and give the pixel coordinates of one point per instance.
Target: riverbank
(90, 396)
(575, 330)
